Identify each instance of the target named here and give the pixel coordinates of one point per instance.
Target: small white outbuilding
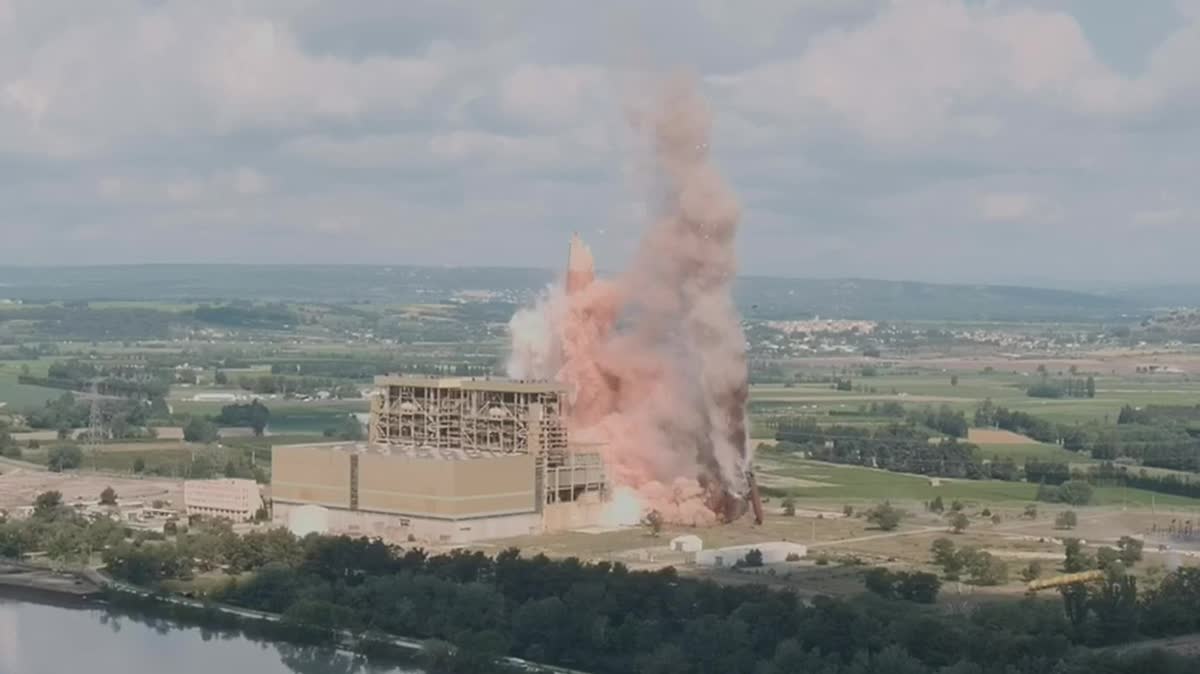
(688, 543)
(772, 553)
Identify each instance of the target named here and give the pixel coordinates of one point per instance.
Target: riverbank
(88, 586)
(36, 580)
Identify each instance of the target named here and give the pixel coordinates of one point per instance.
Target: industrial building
(233, 499)
(447, 460)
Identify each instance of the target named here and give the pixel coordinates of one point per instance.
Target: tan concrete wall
(398, 529)
(310, 475)
(445, 489)
(587, 512)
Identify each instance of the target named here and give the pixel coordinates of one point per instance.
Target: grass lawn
(854, 483)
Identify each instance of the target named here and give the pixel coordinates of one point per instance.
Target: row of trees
(601, 617)
(897, 447)
(1071, 387)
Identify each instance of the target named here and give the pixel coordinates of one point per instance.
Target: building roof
(442, 453)
(471, 383)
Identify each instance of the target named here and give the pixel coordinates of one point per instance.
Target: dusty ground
(848, 546)
(21, 487)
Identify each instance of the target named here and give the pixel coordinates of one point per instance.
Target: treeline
(988, 415)
(366, 369)
(1108, 474)
(1070, 387)
(120, 418)
(125, 381)
(894, 447)
(246, 315)
(602, 617)
(267, 384)
(80, 322)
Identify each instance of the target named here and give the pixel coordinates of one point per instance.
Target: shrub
(1066, 520)
(884, 516)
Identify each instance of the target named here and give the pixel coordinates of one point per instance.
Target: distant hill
(759, 297)
(908, 300)
(1158, 296)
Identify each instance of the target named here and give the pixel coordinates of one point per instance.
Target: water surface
(37, 638)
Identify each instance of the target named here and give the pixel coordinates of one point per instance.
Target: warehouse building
(232, 499)
(447, 460)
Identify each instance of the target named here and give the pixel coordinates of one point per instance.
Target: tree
(200, 430)
(957, 506)
(984, 568)
(945, 555)
(1032, 571)
(108, 496)
(1091, 386)
(1074, 557)
(1031, 512)
(47, 502)
(654, 522)
(881, 582)
(220, 378)
(959, 522)
(64, 457)
(937, 505)
(997, 519)
(139, 465)
(1066, 520)
(753, 558)
(1075, 492)
(954, 380)
(917, 586)
(1107, 557)
(789, 507)
(884, 516)
(1130, 550)
(253, 414)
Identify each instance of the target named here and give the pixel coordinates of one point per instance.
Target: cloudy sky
(980, 140)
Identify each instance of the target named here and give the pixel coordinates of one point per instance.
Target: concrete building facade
(447, 461)
(234, 499)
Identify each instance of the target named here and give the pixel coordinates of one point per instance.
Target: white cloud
(858, 133)
(1004, 207)
(924, 69)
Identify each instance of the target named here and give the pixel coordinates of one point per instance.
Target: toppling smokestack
(665, 394)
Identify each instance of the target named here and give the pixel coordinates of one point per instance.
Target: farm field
(832, 483)
(934, 387)
(20, 396)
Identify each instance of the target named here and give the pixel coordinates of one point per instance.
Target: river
(38, 638)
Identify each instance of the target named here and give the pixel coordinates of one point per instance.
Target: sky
(1039, 141)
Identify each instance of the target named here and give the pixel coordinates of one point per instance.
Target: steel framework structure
(487, 416)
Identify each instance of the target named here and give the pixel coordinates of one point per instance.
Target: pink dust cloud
(665, 391)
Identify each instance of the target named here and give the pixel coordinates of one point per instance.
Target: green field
(1005, 389)
(857, 484)
(1034, 450)
(20, 396)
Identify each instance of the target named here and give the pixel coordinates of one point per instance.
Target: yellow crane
(1065, 579)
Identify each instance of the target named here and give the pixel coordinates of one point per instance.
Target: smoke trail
(665, 394)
